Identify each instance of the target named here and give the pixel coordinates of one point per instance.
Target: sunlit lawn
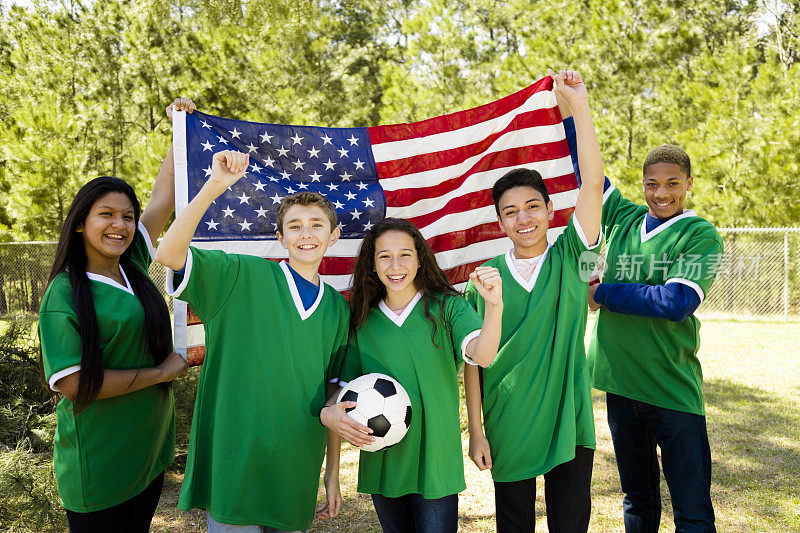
(752, 388)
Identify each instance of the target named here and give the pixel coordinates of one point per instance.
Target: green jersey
(429, 460)
(257, 444)
(537, 402)
(116, 447)
(653, 360)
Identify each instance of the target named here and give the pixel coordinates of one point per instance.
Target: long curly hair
(368, 289)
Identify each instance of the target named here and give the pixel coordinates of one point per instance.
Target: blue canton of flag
(336, 162)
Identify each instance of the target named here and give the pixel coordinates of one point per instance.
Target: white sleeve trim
(169, 280)
(688, 283)
(607, 193)
(582, 235)
(464, 354)
(61, 374)
(150, 248)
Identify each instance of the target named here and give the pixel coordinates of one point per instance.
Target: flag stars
(333, 187)
(340, 225)
(206, 124)
(353, 140)
(265, 137)
(285, 175)
(260, 186)
(254, 167)
(368, 226)
(251, 148)
(342, 152)
(368, 202)
(243, 199)
(350, 195)
(313, 152)
(223, 141)
(289, 190)
(272, 178)
(359, 164)
(261, 212)
(207, 146)
(245, 225)
(276, 199)
(302, 185)
(345, 176)
(283, 151)
(329, 165)
(268, 162)
(274, 226)
(338, 205)
(299, 164)
(296, 139)
(228, 211)
(326, 140)
(207, 171)
(212, 225)
(235, 133)
(356, 214)
(361, 185)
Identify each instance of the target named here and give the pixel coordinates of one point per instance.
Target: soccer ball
(383, 405)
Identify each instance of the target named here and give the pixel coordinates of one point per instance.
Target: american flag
(437, 173)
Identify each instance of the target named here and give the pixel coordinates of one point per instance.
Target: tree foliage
(84, 83)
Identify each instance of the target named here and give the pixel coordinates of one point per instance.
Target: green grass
(752, 388)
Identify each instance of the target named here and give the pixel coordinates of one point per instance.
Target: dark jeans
(566, 496)
(414, 514)
(636, 429)
(130, 516)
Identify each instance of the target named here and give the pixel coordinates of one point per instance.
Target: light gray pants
(219, 527)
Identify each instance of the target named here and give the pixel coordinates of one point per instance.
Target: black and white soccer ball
(382, 404)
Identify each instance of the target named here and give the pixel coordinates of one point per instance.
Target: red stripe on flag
(458, 120)
(458, 154)
(461, 273)
(505, 159)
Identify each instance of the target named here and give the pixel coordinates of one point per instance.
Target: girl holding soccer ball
(407, 321)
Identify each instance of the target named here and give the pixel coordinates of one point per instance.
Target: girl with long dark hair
(409, 322)
(107, 348)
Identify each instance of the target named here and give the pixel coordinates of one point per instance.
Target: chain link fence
(758, 277)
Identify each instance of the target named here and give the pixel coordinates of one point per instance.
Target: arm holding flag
(588, 208)
(162, 198)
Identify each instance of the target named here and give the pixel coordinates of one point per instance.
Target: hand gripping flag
(437, 173)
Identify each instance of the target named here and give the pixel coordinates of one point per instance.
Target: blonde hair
(306, 198)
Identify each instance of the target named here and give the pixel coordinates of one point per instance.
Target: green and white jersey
(537, 402)
(653, 360)
(429, 460)
(257, 444)
(116, 447)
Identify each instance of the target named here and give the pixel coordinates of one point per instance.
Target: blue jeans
(414, 514)
(636, 429)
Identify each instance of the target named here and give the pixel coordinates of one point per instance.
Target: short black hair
(668, 153)
(519, 177)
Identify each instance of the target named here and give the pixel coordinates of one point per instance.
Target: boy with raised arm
(274, 337)
(535, 397)
(662, 261)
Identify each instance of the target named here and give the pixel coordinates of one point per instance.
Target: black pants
(566, 495)
(130, 516)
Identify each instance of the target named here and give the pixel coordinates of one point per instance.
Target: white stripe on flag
(470, 134)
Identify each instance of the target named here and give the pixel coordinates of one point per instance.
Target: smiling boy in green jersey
(661, 262)
(257, 443)
(536, 398)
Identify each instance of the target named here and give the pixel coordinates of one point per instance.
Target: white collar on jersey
(108, 281)
(527, 284)
(664, 225)
(298, 303)
(401, 318)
